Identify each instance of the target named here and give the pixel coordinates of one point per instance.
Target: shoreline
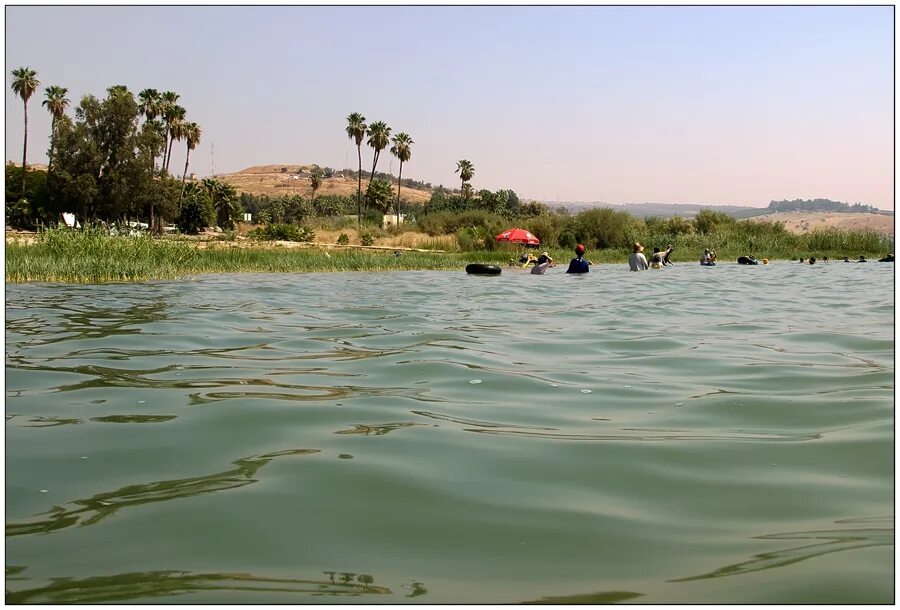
(90, 258)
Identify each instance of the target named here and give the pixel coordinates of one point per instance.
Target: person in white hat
(637, 261)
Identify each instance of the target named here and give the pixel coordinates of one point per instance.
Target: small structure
(248, 217)
(69, 219)
(389, 220)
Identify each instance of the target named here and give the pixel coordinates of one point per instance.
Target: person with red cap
(578, 264)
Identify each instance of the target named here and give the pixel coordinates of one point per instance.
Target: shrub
(343, 239)
(603, 228)
(469, 238)
(307, 234)
(379, 196)
(544, 229)
(366, 238)
(18, 215)
(197, 212)
(709, 221)
(567, 240)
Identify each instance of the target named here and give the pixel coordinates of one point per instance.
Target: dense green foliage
(379, 196)
(615, 231)
(110, 163)
(197, 210)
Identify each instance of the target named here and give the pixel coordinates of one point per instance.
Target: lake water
(687, 435)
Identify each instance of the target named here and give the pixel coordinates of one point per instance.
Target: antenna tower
(212, 159)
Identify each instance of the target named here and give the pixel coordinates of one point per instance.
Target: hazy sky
(710, 105)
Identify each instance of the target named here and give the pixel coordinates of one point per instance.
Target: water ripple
(504, 439)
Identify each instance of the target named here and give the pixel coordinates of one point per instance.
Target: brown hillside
(272, 181)
(803, 222)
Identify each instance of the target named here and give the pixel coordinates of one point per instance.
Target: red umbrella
(518, 236)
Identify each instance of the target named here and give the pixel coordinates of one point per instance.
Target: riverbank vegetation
(95, 256)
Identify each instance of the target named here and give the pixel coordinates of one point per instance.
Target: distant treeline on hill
(406, 182)
(820, 205)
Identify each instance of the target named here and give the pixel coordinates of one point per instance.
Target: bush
(343, 239)
(567, 240)
(469, 238)
(379, 197)
(366, 238)
(544, 229)
(196, 213)
(709, 221)
(18, 215)
(603, 228)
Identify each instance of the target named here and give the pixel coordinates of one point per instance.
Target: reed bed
(92, 257)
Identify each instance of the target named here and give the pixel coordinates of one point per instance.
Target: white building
(390, 220)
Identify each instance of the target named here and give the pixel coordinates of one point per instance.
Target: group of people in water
(659, 259)
(888, 258)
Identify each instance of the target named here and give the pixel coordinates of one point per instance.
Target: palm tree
(167, 105)
(150, 103)
(379, 137)
(192, 133)
(224, 200)
(56, 103)
(315, 181)
(466, 170)
(176, 130)
(356, 130)
(401, 149)
(24, 83)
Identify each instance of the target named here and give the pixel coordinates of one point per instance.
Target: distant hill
(689, 210)
(664, 210)
(286, 179)
(803, 222)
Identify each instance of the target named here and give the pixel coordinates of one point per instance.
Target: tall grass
(772, 241)
(92, 256)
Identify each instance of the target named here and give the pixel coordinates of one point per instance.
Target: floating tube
(482, 269)
(747, 260)
(707, 264)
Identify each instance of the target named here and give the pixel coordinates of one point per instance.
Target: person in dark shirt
(578, 264)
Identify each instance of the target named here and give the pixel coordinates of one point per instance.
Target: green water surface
(686, 435)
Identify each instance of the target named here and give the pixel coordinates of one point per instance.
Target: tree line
(111, 162)
(820, 205)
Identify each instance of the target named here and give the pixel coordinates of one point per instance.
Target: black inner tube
(482, 269)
